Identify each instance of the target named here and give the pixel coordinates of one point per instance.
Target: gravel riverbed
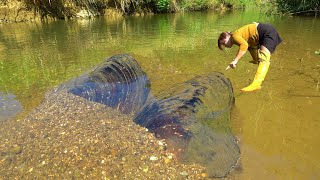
(68, 137)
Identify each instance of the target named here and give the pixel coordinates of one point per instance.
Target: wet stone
(16, 149)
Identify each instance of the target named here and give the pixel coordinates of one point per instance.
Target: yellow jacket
(246, 36)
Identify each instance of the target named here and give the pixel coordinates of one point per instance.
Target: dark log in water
(193, 117)
(119, 83)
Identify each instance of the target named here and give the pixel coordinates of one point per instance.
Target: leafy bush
(196, 4)
(163, 6)
(298, 6)
(235, 3)
(66, 8)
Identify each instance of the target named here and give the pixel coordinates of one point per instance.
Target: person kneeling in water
(261, 40)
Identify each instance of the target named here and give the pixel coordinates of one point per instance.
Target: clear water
(278, 127)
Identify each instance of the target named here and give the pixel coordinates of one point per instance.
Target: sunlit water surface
(278, 127)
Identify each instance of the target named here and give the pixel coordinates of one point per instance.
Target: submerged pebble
(16, 149)
(153, 158)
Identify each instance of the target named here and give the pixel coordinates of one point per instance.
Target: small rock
(145, 169)
(167, 160)
(160, 143)
(153, 158)
(16, 149)
(204, 175)
(184, 173)
(30, 170)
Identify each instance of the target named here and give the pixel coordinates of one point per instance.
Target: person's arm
(242, 50)
(239, 55)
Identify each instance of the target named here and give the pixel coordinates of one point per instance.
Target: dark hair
(223, 36)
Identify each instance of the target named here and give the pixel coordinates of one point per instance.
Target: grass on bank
(67, 8)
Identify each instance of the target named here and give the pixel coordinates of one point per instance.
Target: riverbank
(35, 10)
(27, 10)
(20, 11)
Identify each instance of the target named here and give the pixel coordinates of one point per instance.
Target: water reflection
(9, 106)
(193, 116)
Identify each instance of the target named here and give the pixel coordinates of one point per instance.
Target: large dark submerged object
(192, 116)
(118, 82)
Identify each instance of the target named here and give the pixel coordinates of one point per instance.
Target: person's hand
(232, 64)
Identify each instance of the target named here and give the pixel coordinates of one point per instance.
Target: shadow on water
(192, 116)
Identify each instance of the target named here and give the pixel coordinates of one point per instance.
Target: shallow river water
(278, 126)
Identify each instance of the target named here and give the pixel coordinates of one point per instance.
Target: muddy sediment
(70, 137)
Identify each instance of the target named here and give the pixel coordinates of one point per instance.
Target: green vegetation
(65, 9)
(298, 7)
(68, 8)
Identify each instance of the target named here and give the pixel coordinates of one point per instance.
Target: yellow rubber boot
(260, 74)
